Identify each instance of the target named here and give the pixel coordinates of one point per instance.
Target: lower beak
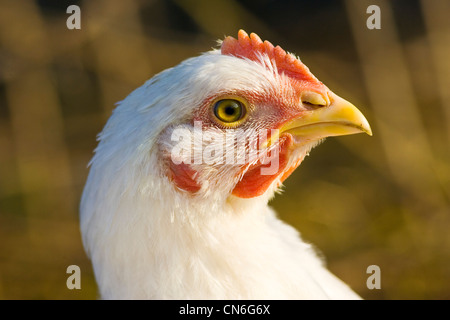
(338, 118)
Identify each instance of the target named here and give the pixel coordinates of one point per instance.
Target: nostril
(314, 99)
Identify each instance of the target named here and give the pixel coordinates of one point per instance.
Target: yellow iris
(229, 110)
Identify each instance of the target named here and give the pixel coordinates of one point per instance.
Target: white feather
(149, 240)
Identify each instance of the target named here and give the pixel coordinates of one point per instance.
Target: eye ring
(229, 111)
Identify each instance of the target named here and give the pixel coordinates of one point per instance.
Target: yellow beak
(338, 118)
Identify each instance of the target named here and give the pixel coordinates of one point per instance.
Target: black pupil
(228, 110)
(231, 109)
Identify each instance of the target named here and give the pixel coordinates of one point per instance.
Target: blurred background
(381, 200)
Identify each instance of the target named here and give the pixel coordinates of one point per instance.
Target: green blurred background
(361, 200)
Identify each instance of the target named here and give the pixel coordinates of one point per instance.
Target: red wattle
(254, 184)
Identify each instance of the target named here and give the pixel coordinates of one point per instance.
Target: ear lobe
(183, 176)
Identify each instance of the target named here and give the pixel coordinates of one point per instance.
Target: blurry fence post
(117, 37)
(37, 126)
(436, 14)
(397, 117)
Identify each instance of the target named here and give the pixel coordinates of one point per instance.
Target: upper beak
(338, 118)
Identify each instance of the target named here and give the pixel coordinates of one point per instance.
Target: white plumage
(149, 239)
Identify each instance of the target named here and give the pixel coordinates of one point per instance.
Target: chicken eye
(229, 110)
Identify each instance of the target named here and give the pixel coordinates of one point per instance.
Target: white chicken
(176, 208)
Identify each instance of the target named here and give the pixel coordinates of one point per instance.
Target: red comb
(251, 47)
